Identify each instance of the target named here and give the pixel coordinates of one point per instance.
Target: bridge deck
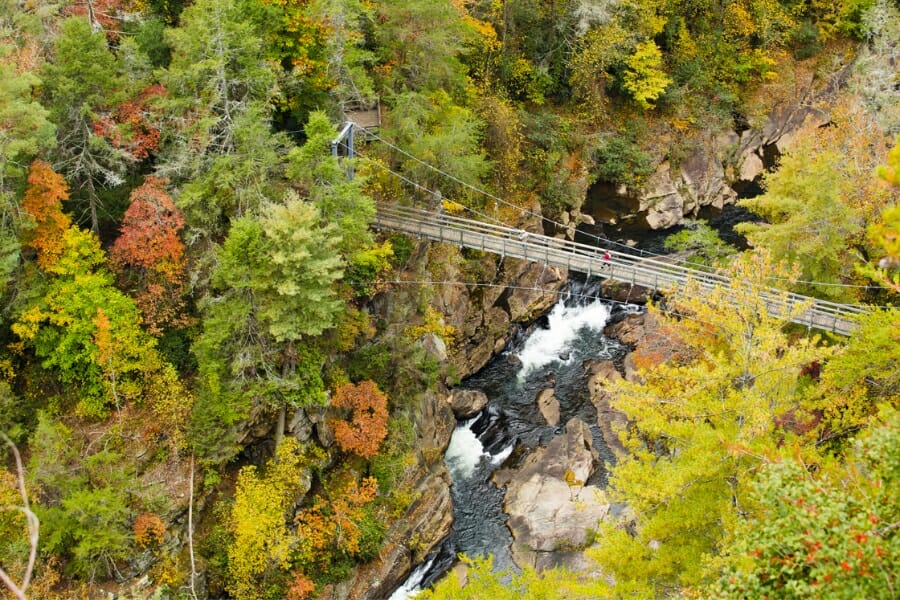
(582, 258)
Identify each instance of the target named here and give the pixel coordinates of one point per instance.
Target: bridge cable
(605, 240)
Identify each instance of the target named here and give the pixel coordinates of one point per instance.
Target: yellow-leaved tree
(261, 550)
(702, 423)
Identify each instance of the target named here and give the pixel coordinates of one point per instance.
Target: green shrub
(701, 239)
(619, 159)
(805, 40)
(403, 246)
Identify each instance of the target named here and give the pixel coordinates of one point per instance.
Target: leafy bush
(86, 509)
(619, 159)
(400, 367)
(390, 464)
(698, 237)
(403, 246)
(806, 40)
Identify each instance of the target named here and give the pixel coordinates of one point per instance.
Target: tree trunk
(279, 428)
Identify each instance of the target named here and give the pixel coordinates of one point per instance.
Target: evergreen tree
(221, 94)
(272, 288)
(81, 83)
(339, 199)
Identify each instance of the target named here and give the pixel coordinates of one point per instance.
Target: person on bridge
(607, 259)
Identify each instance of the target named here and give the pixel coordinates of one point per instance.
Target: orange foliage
(150, 231)
(129, 128)
(661, 344)
(367, 426)
(148, 257)
(331, 525)
(148, 530)
(43, 202)
(299, 588)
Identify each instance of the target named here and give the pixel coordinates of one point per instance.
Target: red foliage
(106, 14)
(812, 370)
(149, 256)
(367, 426)
(129, 128)
(43, 200)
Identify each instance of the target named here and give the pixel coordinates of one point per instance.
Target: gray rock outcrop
(467, 403)
(707, 173)
(660, 199)
(668, 197)
(548, 404)
(610, 420)
(549, 506)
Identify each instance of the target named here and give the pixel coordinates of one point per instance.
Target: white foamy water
(464, 452)
(547, 345)
(498, 458)
(410, 587)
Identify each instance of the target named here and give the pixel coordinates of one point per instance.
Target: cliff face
(721, 164)
(483, 319)
(483, 315)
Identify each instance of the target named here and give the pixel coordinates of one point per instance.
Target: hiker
(607, 259)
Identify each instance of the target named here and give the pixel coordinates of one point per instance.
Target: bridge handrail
(676, 274)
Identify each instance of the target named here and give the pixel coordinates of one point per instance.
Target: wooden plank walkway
(647, 272)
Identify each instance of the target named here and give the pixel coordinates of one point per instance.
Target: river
(550, 353)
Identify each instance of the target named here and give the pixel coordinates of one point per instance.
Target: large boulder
(549, 506)
(600, 374)
(700, 181)
(453, 302)
(467, 403)
(632, 329)
(661, 200)
(750, 166)
(434, 345)
(489, 334)
(621, 291)
(548, 404)
(703, 182)
(535, 291)
(785, 121)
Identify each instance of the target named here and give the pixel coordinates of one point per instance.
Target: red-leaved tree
(108, 15)
(366, 428)
(130, 127)
(148, 257)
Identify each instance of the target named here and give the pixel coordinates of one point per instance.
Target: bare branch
(33, 528)
(191, 531)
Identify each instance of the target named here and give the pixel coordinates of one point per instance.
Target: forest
(219, 380)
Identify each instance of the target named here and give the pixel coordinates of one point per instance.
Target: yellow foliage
(452, 207)
(434, 323)
(570, 479)
(701, 424)
(171, 404)
(258, 520)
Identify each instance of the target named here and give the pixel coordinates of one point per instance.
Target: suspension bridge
(626, 268)
(653, 271)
